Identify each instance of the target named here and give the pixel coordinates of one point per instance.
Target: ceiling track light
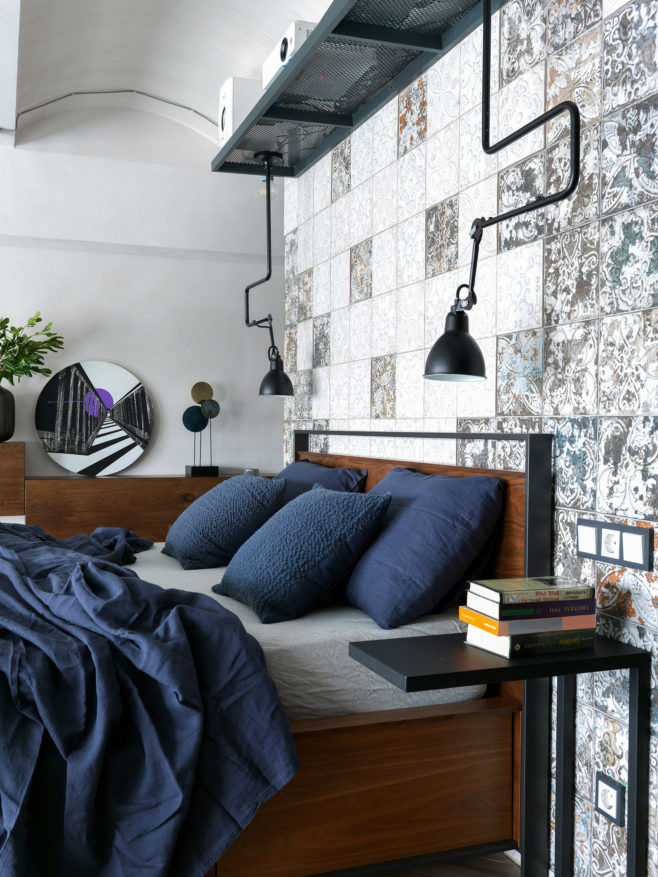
(276, 382)
(456, 356)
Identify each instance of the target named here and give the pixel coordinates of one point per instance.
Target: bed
(384, 777)
(307, 657)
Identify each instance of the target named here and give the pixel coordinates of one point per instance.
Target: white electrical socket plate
(607, 799)
(610, 543)
(587, 539)
(632, 547)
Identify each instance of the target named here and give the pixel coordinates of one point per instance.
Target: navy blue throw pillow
(303, 552)
(210, 531)
(436, 529)
(303, 475)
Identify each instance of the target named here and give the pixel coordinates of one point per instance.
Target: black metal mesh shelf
(343, 74)
(419, 16)
(358, 57)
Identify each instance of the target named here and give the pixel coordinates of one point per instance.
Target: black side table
(428, 662)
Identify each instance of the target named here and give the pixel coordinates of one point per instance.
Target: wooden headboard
(68, 505)
(510, 557)
(524, 547)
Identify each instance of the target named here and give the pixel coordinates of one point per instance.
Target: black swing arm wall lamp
(276, 382)
(456, 355)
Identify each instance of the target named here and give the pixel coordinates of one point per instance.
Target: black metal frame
(565, 774)
(536, 718)
(639, 722)
(454, 664)
(538, 497)
(332, 24)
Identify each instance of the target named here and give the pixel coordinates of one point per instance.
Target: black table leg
(638, 768)
(564, 787)
(535, 776)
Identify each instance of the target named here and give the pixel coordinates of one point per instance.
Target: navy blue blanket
(139, 730)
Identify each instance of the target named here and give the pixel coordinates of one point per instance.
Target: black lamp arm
(265, 322)
(566, 106)
(466, 303)
(268, 238)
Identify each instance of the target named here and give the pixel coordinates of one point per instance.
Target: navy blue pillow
(299, 556)
(210, 531)
(303, 475)
(436, 529)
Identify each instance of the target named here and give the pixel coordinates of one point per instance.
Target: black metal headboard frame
(538, 489)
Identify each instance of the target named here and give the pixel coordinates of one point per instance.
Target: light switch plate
(620, 544)
(588, 538)
(632, 547)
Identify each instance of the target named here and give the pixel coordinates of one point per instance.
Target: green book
(531, 590)
(526, 644)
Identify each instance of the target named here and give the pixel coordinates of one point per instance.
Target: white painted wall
(9, 28)
(97, 127)
(145, 265)
(180, 51)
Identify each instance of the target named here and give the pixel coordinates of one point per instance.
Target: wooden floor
(495, 865)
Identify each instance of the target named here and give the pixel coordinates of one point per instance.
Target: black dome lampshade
(456, 355)
(276, 382)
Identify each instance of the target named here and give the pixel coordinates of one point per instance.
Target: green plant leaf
(23, 348)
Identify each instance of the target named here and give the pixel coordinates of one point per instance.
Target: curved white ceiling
(177, 50)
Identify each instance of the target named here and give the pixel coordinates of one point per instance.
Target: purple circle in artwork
(105, 397)
(92, 406)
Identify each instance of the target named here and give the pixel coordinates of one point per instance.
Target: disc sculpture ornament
(94, 418)
(195, 419)
(201, 392)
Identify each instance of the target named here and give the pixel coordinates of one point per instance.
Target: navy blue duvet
(139, 730)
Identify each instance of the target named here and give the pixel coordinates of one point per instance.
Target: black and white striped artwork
(94, 418)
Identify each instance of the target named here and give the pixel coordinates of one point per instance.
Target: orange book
(525, 625)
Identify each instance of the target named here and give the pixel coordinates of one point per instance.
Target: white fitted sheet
(307, 658)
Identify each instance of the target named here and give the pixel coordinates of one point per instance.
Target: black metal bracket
(267, 158)
(566, 106)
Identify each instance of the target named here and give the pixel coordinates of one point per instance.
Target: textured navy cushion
(303, 475)
(210, 531)
(436, 529)
(299, 556)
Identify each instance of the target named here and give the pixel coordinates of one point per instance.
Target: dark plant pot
(7, 414)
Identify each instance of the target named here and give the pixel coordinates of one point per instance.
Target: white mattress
(308, 658)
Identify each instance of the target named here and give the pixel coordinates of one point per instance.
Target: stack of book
(529, 616)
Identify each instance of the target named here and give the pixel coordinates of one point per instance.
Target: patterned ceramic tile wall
(567, 318)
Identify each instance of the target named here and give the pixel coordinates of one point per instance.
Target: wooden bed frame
(419, 784)
(422, 783)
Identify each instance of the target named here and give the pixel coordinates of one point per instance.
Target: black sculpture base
(202, 471)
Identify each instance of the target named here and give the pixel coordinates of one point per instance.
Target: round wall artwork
(94, 418)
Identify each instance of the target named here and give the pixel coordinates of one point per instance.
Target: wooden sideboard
(12, 478)
(64, 506)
